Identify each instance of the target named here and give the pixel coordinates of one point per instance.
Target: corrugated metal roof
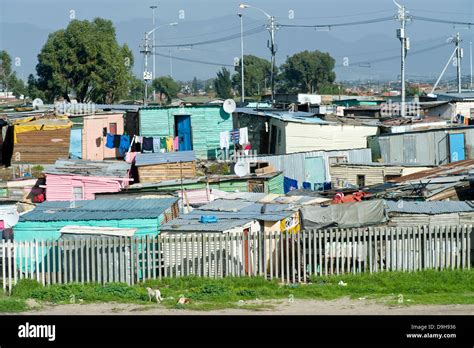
(182, 225)
(287, 116)
(227, 205)
(116, 169)
(99, 210)
(429, 208)
(149, 159)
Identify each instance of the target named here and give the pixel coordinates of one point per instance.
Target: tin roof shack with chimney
(429, 146)
(156, 167)
(47, 219)
(93, 139)
(38, 140)
(69, 180)
(367, 174)
(284, 132)
(198, 127)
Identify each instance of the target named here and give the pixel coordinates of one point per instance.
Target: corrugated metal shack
(268, 183)
(302, 166)
(93, 139)
(407, 213)
(80, 180)
(156, 167)
(284, 132)
(432, 146)
(202, 124)
(38, 140)
(145, 215)
(367, 174)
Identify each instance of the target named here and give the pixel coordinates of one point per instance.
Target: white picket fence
(289, 257)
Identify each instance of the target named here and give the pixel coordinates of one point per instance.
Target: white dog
(154, 294)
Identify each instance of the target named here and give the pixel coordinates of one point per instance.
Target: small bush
(10, 305)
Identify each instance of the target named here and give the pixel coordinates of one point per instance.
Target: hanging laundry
(124, 144)
(243, 136)
(307, 185)
(247, 149)
(147, 144)
(176, 143)
(110, 141)
(224, 138)
(138, 139)
(289, 184)
(169, 144)
(163, 144)
(130, 157)
(117, 141)
(156, 145)
(234, 136)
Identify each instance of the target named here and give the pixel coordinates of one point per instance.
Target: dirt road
(297, 307)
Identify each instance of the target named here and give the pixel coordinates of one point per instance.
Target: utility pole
(272, 27)
(171, 64)
(457, 41)
(153, 7)
(146, 74)
(470, 58)
(242, 78)
(403, 18)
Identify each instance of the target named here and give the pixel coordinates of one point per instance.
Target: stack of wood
(167, 171)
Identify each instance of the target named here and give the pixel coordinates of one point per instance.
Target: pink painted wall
(61, 187)
(93, 142)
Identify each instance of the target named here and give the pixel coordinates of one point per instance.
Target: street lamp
(242, 55)
(272, 28)
(147, 76)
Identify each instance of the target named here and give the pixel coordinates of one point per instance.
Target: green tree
(166, 87)
(223, 84)
(256, 71)
(32, 89)
(307, 71)
(9, 82)
(136, 88)
(85, 59)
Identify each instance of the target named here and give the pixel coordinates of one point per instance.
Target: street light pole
(242, 56)
(458, 60)
(147, 75)
(272, 27)
(470, 58)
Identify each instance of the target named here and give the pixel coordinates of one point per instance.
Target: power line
(369, 21)
(345, 16)
(193, 60)
(381, 60)
(253, 31)
(437, 20)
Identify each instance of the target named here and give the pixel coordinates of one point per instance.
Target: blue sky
(25, 24)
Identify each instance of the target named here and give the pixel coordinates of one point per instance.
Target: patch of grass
(426, 287)
(12, 305)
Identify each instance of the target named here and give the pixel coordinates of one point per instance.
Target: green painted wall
(275, 185)
(206, 124)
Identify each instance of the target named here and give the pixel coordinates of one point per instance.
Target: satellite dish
(229, 106)
(242, 168)
(37, 103)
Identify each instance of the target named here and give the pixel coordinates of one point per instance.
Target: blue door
(456, 147)
(183, 131)
(315, 171)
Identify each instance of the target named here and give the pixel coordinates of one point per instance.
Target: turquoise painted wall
(206, 124)
(49, 230)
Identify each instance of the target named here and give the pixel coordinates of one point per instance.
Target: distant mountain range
(25, 40)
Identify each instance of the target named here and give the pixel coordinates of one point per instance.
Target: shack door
(456, 147)
(314, 170)
(183, 132)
